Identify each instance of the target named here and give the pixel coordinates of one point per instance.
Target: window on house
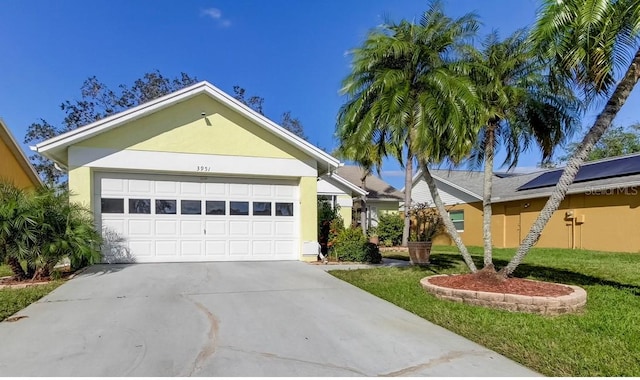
(215, 208)
(262, 208)
(238, 208)
(166, 206)
(284, 209)
(188, 207)
(457, 217)
(112, 205)
(139, 206)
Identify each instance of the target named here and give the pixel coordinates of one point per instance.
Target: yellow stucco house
(14, 164)
(600, 212)
(195, 176)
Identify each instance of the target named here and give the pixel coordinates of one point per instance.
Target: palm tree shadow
(444, 261)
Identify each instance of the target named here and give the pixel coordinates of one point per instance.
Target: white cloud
(216, 14)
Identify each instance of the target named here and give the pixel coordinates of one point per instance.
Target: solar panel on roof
(607, 169)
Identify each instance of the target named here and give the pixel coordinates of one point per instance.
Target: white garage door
(148, 218)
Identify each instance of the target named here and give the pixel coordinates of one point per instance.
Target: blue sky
(292, 53)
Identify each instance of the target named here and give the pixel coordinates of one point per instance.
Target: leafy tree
(98, 101)
(256, 103)
(616, 141)
(406, 93)
(587, 43)
(521, 108)
(18, 221)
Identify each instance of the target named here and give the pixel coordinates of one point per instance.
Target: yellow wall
(384, 207)
(308, 211)
(11, 170)
(182, 129)
(611, 222)
(81, 185)
(345, 212)
(472, 234)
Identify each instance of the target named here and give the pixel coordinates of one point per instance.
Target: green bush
(390, 228)
(372, 253)
(351, 245)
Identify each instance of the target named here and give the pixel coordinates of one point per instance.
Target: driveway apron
(230, 319)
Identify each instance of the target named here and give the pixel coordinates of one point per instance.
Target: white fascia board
(64, 140)
(350, 185)
(457, 187)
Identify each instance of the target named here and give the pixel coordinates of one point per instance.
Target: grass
(602, 341)
(14, 300)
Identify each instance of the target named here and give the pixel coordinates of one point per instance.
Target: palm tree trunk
(489, 146)
(611, 109)
(408, 182)
(363, 208)
(451, 228)
(16, 268)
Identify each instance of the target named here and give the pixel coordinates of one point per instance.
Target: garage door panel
(238, 219)
(216, 248)
(191, 247)
(262, 228)
(142, 248)
(262, 247)
(166, 248)
(238, 228)
(166, 227)
(139, 227)
(191, 227)
(239, 248)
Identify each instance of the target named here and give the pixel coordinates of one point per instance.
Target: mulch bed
(510, 285)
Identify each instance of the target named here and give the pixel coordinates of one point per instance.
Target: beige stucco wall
(345, 212)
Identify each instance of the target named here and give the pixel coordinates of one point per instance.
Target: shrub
(390, 228)
(351, 245)
(372, 253)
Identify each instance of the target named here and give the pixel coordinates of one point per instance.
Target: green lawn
(14, 300)
(602, 341)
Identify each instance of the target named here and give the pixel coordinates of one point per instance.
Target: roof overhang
(356, 191)
(14, 147)
(418, 174)
(55, 148)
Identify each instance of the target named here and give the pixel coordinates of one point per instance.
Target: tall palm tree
(521, 109)
(587, 43)
(404, 85)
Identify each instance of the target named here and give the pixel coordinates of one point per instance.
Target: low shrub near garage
(352, 245)
(372, 253)
(390, 227)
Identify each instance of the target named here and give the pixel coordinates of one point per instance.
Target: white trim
(48, 147)
(188, 162)
(418, 174)
(344, 182)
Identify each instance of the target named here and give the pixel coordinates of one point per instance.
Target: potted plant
(373, 235)
(425, 224)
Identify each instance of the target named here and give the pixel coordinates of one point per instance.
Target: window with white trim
(457, 217)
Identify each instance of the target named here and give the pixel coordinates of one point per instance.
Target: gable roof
(376, 188)
(468, 181)
(331, 177)
(55, 147)
(12, 144)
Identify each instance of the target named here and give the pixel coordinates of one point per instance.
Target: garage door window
(284, 209)
(139, 206)
(190, 207)
(215, 208)
(112, 205)
(262, 208)
(239, 208)
(165, 206)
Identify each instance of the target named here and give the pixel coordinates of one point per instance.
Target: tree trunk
(611, 109)
(451, 228)
(489, 147)
(408, 182)
(363, 208)
(16, 268)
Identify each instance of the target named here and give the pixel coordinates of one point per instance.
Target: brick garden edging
(571, 303)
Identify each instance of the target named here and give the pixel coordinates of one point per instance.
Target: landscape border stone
(551, 306)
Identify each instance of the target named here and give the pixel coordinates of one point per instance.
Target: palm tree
(521, 108)
(404, 90)
(586, 42)
(18, 222)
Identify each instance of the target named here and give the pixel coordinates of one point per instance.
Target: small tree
(425, 222)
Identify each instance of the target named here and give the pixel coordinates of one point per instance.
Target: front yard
(14, 300)
(602, 341)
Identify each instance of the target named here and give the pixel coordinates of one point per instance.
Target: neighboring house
(380, 198)
(195, 176)
(14, 164)
(600, 212)
(339, 192)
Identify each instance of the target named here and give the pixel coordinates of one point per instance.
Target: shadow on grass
(442, 262)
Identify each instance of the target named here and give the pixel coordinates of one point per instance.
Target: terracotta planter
(419, 252)
(374, 239)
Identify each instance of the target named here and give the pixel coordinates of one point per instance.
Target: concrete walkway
(230, 319)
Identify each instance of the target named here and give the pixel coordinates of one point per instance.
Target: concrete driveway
(230, 319)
